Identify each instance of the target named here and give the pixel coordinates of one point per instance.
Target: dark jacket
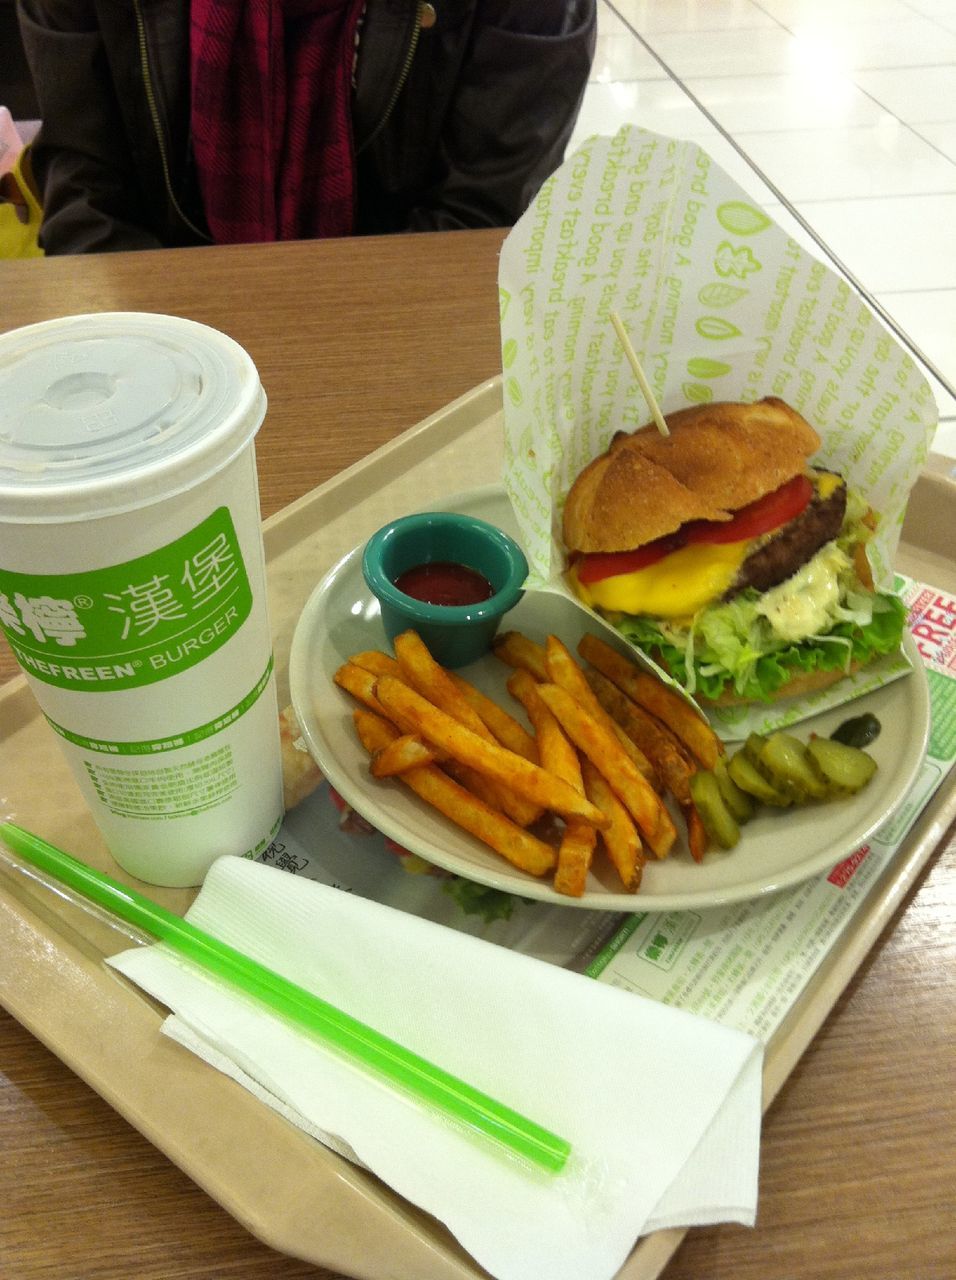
(457, 120)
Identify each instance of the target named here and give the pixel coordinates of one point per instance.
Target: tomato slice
(767, 513)
(597, 565)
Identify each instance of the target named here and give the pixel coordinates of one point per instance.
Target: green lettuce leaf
(734, 648)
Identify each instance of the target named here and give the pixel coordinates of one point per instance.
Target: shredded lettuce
(737, 646)
(728, 651)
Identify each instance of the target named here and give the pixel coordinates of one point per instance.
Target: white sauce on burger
(802, 606)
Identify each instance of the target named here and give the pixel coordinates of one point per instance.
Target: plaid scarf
(270, 114)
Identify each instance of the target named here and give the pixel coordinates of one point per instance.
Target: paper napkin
(662, 1107)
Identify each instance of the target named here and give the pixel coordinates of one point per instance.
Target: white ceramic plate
(777, 849)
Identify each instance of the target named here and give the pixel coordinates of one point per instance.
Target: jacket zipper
(157, 126)
(400, 82)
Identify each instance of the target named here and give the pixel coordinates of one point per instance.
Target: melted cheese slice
(826, 482)
(685, 581)
(675, 587)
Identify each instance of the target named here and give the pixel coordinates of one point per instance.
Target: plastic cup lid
(105, 413)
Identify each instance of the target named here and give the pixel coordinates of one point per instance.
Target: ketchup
(444, 582)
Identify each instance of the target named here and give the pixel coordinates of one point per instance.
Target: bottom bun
(798, 686)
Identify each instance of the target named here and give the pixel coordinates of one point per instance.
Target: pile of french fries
(607, 744)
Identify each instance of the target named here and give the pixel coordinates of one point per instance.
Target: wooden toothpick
(639, 373)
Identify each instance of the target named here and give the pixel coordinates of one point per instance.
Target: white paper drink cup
(132, 580)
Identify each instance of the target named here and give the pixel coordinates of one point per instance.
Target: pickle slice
(784, 758)
(749, 778)
(846, 769)
(738, 802)
(714, 814)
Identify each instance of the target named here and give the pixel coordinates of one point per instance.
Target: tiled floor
(841, 112)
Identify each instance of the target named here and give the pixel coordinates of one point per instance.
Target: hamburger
(730, 559)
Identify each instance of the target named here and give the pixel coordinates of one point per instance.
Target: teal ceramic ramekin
(455, 634)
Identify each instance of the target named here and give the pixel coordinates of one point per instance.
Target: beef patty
(791, 546)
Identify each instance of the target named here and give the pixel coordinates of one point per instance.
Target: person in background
(180, 122)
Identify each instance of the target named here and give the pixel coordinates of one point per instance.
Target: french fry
(555, 751)
(564, 670)
(378, 663)
(557, 754)
(659, 744)
(516, 650)
(662, 841)
(422, 672)
(620, 837)
(505, 727)
(484, 788)
(655, 696)
(489, 758)
(360, 683)
(605, 752)
(697, 838)
(607, 737)
(433, 682)
(508, 731)
(356, 677)
(521, 849)
(575, 855)
(405, 752)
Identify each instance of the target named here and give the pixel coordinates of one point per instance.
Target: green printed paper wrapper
(720, 304)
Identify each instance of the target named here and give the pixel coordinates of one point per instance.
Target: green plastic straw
(360, 1043)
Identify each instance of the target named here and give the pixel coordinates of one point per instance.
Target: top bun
(717, 459)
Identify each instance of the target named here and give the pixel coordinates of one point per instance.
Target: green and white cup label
(133, 623)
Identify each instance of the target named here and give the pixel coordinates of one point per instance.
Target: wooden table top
(356, 340)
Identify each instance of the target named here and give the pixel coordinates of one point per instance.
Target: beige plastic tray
(289, 1191)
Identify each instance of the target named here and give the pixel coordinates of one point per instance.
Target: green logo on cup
(134, 623)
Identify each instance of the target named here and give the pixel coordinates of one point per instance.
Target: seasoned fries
(495, 762)
(420, 670)
(575, 854)
(433, 682)
(607, 744)
(579, 838)
(563, 670)
(522, 849)
(519, 652)
(509, 732)
(620, 837)
(602, 748)
(405, 752)
(696, 835)
(671, 763)
(360, 683)
(379, 664)
(656, 697)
